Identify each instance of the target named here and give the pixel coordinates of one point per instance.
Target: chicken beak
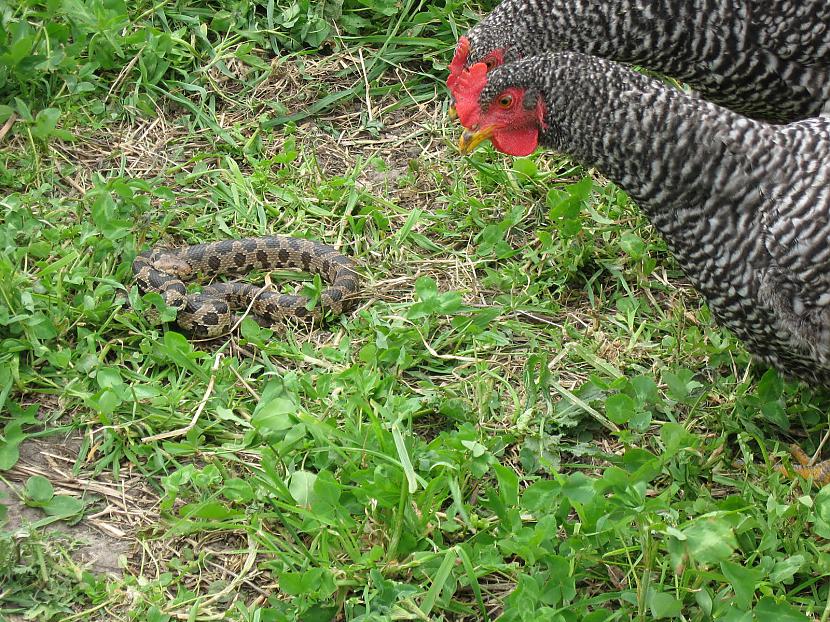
(452, 113)
(471, 139)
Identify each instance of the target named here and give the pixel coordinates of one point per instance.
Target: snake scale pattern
(210, 313)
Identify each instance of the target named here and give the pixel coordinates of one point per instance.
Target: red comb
(468, 88)
(458, 61)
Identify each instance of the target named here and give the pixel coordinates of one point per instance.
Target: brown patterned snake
(209, 313)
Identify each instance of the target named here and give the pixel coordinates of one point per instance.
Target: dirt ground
(101, 542)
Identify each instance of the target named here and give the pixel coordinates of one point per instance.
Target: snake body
(209, 313)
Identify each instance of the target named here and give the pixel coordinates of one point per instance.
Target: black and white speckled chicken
(744, 206)
(767, 59)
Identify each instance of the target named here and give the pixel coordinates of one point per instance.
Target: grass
(531, 416)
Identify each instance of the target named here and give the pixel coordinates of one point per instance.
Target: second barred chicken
(766, 59)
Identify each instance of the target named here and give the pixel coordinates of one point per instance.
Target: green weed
(530, 416)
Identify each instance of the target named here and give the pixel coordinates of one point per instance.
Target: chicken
(743, 205)
(767, 59)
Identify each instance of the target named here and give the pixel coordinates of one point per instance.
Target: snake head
(170, 264)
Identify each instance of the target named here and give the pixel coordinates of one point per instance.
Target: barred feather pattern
(744, 206)
(767, 59)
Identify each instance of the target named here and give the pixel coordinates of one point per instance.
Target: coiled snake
(209, 313)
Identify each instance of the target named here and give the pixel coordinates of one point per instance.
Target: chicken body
(744, 206)
(767, 59)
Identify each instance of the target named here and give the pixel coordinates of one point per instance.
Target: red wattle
(516, 141)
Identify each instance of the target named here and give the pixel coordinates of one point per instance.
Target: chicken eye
(505, 101)
(490, 63)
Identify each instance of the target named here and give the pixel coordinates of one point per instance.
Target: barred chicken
(743, 205)
(767, 59)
